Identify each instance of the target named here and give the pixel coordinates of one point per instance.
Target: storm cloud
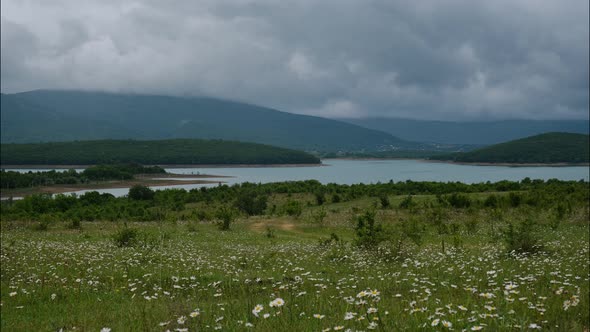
(428, 59)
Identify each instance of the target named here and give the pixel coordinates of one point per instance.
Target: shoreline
(196, 166)
(506, 164)
(152, 180)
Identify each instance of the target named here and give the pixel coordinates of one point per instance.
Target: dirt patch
(261, 226)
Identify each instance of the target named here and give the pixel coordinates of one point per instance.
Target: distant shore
(196, 166)
(149, 180)
(505, 164)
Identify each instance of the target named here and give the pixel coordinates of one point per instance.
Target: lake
(373, 171)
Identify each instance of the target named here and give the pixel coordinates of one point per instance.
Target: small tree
(384, 201)
(520, 238)
(319, 197)
(318, 216)
(368, 234)
(293, 208)
(139, 192)
(226, 216)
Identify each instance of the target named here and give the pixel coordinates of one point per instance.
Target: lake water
(373, 171)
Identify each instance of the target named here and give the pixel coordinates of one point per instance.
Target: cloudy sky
(427, 59)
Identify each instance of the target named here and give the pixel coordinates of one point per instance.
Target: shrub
(318, 216)
(270, 233)
(520, 238)
(293, 208)
(407, 203)
(319, 198)
(459, 201)
(368, 234)
(141, 193)
(226, 216)
(336, 198)
(251, 204)
(514, 199)
(126, 237)
(384, 201)
(491, 201)
(75, 224)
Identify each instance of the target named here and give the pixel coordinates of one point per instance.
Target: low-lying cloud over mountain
(431, 59)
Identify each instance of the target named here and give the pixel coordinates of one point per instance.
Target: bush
(140, 193)
(126, 237)
(75, 224)
(336, 198)
(514, 199)
(293, 208)
(407, 203)
(368, 234)
(491, 201)
(520, 238)
(226, 216)
(251, 204)
(384, 201)
(318, 216)
(320, 199)
(459, 201)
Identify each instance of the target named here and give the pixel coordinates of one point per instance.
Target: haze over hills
(479, 133)
(52, 115)
(544, 148)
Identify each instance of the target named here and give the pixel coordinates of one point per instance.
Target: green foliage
(226, 216)
(251, 203)
(384, 200)
(407, 203)
(544, 148)
(368, 233)
(177, 151)
(320, 198)
(336, 198)
(459, 201)
(141, 193)
(318, 216)
(521, 238)
(471, 226)
(126, 237)
(491, 201)
(270, 233)
(293, 208)
(12, 179)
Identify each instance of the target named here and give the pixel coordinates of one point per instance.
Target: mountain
(47, 115)
(175, 151)
(478, 133)
(544, 148)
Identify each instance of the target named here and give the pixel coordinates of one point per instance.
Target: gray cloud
(429, 59)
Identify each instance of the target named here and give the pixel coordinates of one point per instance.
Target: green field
(312, 264)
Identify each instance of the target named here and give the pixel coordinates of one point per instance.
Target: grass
(81, 280)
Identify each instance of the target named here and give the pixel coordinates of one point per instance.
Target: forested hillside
(545, 148)
(49, 116)
(176, 151)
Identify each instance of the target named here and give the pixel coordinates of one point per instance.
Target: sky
(427, 59)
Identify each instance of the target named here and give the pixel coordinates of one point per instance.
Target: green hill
(50, 116)
(176, 151)
(544, 148)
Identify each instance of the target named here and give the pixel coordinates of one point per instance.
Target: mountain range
(48, 115)
(62, 115)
